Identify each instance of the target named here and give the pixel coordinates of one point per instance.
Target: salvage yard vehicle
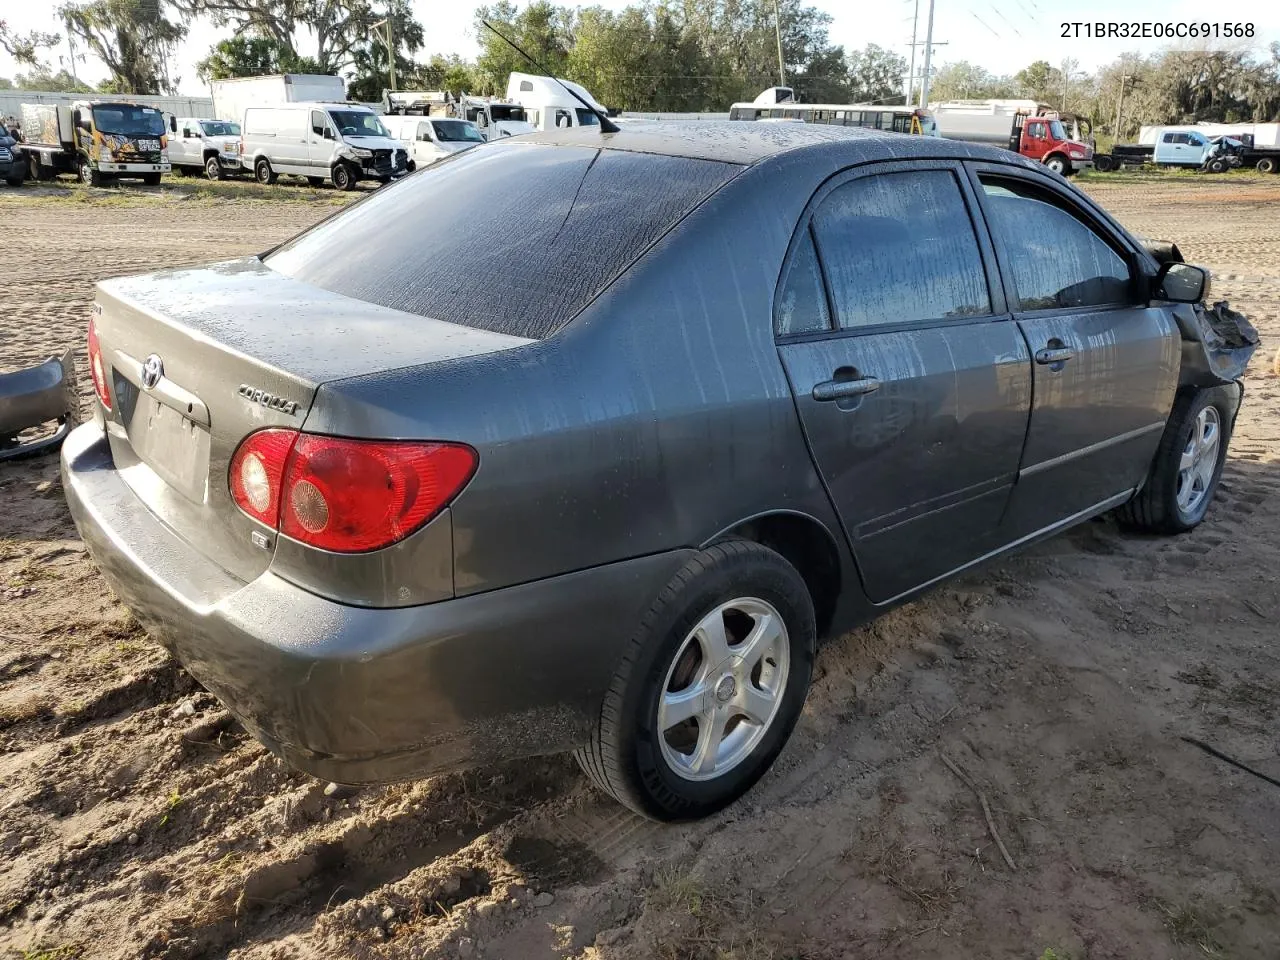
(13, 162)
(200, 145)
(429, 139)
(341, 142)
(1023, 126)
(98, 140)
(420, 489)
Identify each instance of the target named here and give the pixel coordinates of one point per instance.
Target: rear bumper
(360, 695)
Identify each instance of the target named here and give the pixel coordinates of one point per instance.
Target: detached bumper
(360, 695)
(45, 393)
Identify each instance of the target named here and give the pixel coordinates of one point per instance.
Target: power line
(1005, 19)
(984, 23)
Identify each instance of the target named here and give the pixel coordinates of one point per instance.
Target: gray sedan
(443, 481)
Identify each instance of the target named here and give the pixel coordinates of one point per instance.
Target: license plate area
(172, 445)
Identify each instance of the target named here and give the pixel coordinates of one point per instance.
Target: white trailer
(548, 105)
(231, 97)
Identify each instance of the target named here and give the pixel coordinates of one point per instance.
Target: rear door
(912, 383)
(1105, 362)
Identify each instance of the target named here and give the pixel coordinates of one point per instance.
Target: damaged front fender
(42, 395)
(1217, 343)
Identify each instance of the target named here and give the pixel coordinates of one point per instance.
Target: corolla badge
(152, 371)
(268, 399)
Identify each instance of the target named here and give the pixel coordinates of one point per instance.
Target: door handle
(1052, 355)
(840, 389)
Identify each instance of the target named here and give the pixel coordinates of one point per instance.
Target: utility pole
(911, 71)
(1120, 104)
(928, 52)
(777, 30)
(389, 42)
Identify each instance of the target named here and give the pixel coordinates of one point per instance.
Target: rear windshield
(512, 238)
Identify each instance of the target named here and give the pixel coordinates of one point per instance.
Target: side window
(802, 304)
(1057, 260)
(424, 132)
(317, 123)
(1170, 138)
(900, 248)
(1035, 130)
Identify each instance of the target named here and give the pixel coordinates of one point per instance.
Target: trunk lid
(199, 358)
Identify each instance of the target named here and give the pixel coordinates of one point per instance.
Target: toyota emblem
(152, 371)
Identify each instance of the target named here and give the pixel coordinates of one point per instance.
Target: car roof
(748, 142)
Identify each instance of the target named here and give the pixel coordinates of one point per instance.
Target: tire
(383, 181)
(1178, 490)
(343, 178)
(151, 179)
(1103, 163)
(1266, 165)
(1058, 164)
(736, 585)
(89, 176)
(33, 168)
(316, 181)
(213, 169)
(1217, 166)
(263, 173)
(17, 174)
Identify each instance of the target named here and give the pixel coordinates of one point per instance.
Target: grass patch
(701, 922)
(176, 190)
(42, 951)
(1153, 174)
(171, 806)
(1188, 924)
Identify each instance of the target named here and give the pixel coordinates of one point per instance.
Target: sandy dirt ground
(138, 820)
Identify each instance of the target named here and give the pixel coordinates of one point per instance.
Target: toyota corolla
(443, 481)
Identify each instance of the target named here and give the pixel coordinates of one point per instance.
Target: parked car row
(341, 143)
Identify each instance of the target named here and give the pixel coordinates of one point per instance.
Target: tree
(252, 57)
(875, 74)
(25, 47)
(369, 74)
(540, 29)
(41, 78)
(132, 37)
(6, 83)
(450, 73)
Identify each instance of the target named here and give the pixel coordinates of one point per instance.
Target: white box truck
(231, 97)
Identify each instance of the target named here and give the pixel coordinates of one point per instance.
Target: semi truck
(548, 105)
(98, 140)
(1062, 142)
(231, 97)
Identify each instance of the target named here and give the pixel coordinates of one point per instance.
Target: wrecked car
(402, 517)
(13, 162)
(39, 406)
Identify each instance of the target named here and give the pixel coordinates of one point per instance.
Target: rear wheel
(213, 169)
(1267, 165)
(1058, 164)
(262, 171)
(710, 686)
(343, 178)
(1187, 466)
(1103, 163)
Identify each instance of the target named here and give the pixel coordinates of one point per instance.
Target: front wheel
(710, 687)
(213, 169)
(1217, 166)
(89, 176)
(263, 173)
(1187, 466)
(343, 178)
(1058, 164)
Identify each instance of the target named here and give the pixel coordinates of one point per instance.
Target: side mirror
(173, 124)
(1181, 283)
(328, 133)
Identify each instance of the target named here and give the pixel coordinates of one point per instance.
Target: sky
(1002, 36)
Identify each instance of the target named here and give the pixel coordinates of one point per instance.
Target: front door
(1035, 139)
(1105, 361)
(912, 384)
(320, 142)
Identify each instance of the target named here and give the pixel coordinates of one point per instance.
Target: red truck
(1023, 126)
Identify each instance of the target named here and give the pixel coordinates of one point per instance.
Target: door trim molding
(1057, 461)
(1102, 507)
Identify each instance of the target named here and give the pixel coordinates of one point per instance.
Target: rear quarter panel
(656, 419)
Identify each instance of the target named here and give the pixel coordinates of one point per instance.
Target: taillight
(97, 369)
(347, 496)
(257, 473)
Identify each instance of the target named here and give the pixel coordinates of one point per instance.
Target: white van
(429, 139)
(548, 105)
(342, 142)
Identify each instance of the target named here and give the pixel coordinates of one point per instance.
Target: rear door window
(900, 248)
(515, 238)
(1057, 260)
(802, 301)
